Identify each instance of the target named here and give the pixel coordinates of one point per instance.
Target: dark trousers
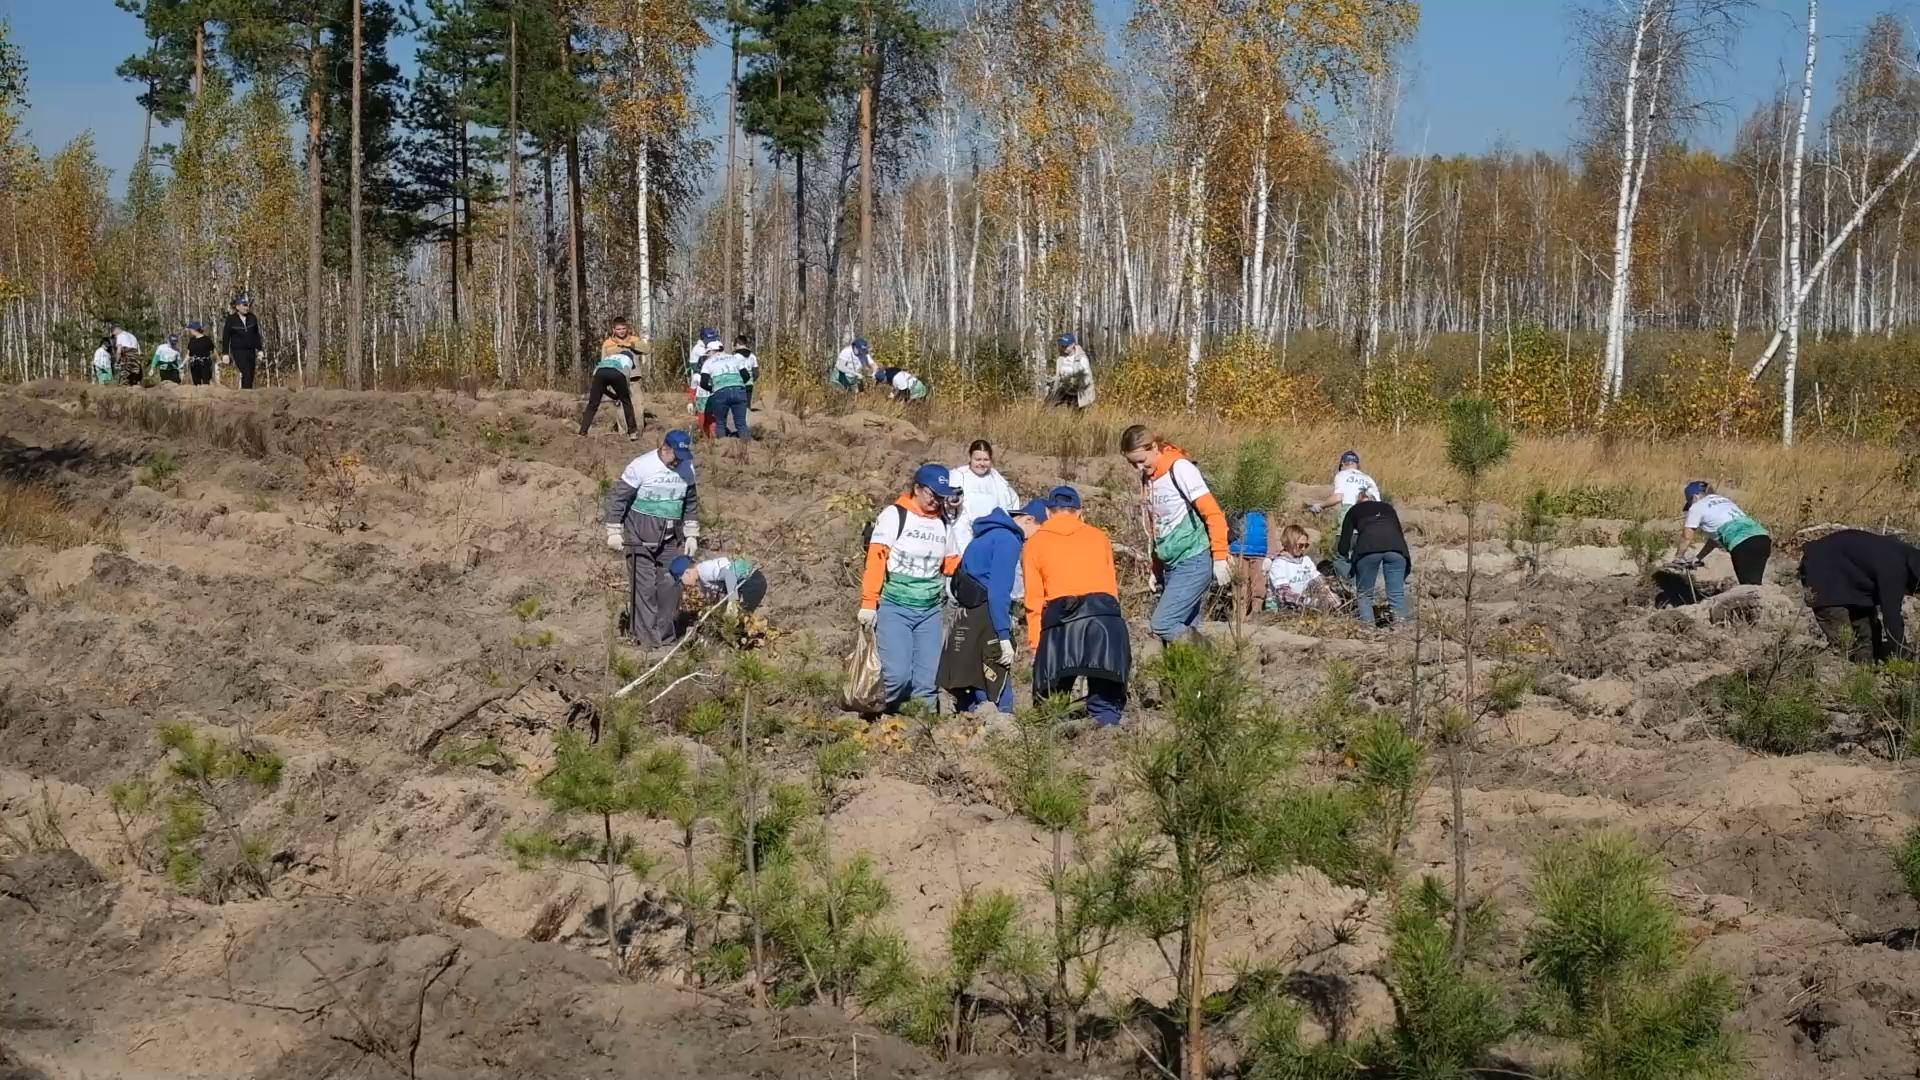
(1750, 559)
(653, 594)
(610, 383)
(1857, 630)
(728, 408)
(243, 361)
(201, 370)
(1105, 698)
(753, 591)
(168, 374)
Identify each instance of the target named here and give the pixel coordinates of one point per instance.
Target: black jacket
(1855, 568)
(1081, 635)
(1373, 528)
(240, 333)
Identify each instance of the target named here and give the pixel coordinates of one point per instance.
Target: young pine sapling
(603, 782)
(1221, 816)
(1477, 441)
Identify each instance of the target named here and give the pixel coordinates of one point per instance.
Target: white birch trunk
(1615, 355)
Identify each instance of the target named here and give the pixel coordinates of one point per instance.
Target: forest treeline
(1218, 199)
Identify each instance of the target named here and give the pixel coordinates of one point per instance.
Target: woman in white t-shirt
(1727, 526)
(982, 491)
(1294, 581)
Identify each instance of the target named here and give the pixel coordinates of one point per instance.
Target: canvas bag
(864, 691)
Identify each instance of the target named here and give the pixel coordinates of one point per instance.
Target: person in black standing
(199, 354)
(240, 340)
(1372, 540)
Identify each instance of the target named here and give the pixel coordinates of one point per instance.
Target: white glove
(616, 538)
(868, 615)
(1222, 573)
(1006, 653)
(691, 531)
(1313, 508)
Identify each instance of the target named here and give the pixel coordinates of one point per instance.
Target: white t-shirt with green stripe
(1178, 531)
(917, 550)
(1720, 516)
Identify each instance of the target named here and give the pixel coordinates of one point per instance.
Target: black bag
(967, 590)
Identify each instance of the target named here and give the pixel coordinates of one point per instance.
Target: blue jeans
(1183, 596)
(909, 640)
(728, 407)
(1370, 567)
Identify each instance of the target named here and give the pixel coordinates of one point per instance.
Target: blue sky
(1484, 70)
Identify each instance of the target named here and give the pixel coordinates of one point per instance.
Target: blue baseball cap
(1035, 509)
(1065, 340)
(242, 299)
(194, 326)
(681, 443)
(1695, 489)
(860, 345)
(935, 478)
(1063, 498)
(679, 565)
(1350, 457)
(708, 333)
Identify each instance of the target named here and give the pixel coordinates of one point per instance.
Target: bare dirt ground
(335, 575)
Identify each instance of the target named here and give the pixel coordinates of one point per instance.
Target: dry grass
(30, 514)
(226, 428)
(1786, 488)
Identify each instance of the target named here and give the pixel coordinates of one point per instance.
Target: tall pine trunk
(310, 356)
(508, 356)
(357, 271)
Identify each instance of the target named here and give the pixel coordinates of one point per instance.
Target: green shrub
(209, 777)
(1606, 955)
(1646, 545)
(1906, 862)
(1449, 1018)
(161, 468)
(1773, 715)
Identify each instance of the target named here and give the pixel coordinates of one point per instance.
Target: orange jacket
(1065, 557)
(1214, 518)
(612, 345)
(875, 574)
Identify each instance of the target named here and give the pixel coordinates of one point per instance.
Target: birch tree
(1644, 59)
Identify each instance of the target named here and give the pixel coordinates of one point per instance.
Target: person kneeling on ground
(900, 383)
(611, 377)
(852, 366)
(977, 664)
(1294, 581)
(650, 518)
(1372, 540)
(1074, 625)
(735, 580)
(1855, 583)
(1728, 527)
(1189, 531)
(910, 554)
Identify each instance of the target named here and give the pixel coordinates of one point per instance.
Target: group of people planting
(947, 559)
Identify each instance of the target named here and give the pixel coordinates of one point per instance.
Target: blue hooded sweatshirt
(991, 559)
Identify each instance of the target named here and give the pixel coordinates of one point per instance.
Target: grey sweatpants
(653, 595)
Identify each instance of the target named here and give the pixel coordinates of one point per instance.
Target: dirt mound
(402, 598)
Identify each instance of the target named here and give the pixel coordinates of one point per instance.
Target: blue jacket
(992, 559)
